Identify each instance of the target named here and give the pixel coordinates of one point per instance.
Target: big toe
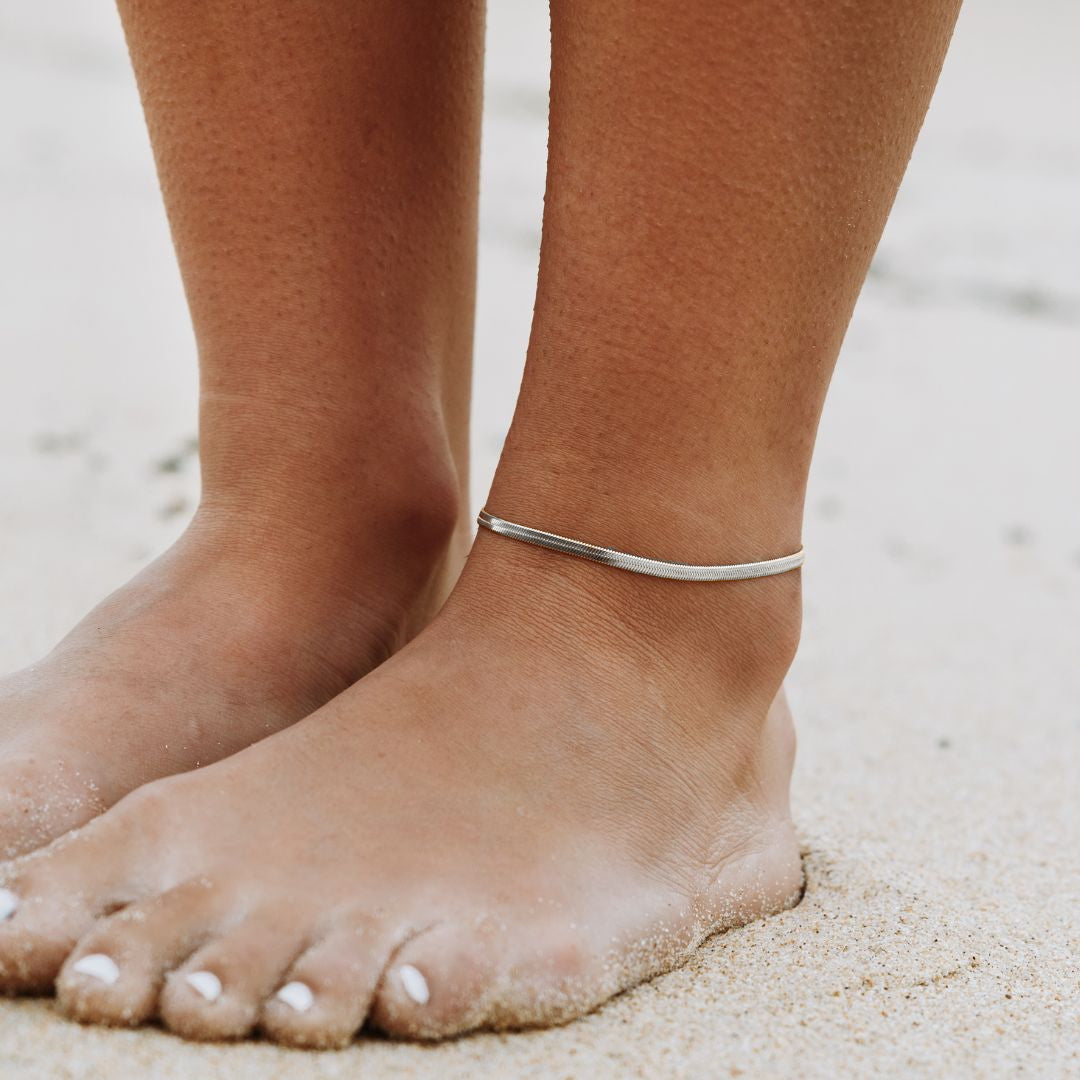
(494, 973)
(28, 819)
(440, 983)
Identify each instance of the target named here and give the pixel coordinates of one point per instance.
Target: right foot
(557, 790)
(233, 634)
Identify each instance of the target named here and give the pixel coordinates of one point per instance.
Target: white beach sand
(939, 680)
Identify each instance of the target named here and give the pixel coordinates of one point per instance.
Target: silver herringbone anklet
(638, 564)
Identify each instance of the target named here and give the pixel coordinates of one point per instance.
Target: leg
(319, 166)
(574, 774)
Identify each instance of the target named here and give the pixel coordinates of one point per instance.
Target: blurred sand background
(939, 680)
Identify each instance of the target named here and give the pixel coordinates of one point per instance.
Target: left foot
(558, 790)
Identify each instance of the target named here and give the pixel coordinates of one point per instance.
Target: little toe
(54, 896)
(440, 983)
(38, 934)
(219, 991)
(115, 973)
(324, 998)
(42, 926)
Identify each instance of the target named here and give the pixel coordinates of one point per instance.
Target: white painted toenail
(297, 995)
(9, 903)
(205, 983)
(97, 966)
(414, 984)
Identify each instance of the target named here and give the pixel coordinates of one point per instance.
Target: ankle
(370, 568)
(341, 484)
(398, 522)
(735, 640)
(338, 447)
(639, 508)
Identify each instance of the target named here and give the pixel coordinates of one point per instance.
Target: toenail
(9, 902)
(414, 984)
(297, 995)
(204, 983)
(97, 966)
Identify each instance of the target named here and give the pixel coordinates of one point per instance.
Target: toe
(115, 973)
(41, 929)
(324, 998)
(28, 821)
(54, 896)
(492, 973)
(440, 983)
(219, 991)
(51, 901)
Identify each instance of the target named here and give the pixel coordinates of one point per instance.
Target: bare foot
(220, 642)
(560, 788)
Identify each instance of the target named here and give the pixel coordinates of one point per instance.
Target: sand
(938, 683)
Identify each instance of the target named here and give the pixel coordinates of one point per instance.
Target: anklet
(638, 564)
